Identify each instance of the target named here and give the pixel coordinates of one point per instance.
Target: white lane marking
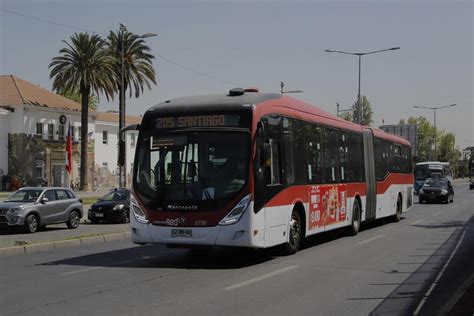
(417, 222)
(81, 270)
(370, 239)
(427, 294)
(260, 278)
(436, 214)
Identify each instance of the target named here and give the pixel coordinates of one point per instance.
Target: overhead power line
(86, 30)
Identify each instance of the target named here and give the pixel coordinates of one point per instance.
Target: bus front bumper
(239, 234)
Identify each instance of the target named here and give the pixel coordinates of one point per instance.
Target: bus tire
(295, 234)
(398, 213)
(356, 215)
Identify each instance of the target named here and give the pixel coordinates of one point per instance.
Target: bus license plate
(181, 233)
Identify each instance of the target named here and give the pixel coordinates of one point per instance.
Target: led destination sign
(221, 120)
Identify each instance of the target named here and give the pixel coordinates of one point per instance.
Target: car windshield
(25, 195)
(436, 182)
(192, 166)
(116, 196)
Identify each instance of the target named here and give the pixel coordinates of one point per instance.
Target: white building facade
(34, 124)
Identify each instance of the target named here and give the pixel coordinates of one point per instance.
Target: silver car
(34, 208)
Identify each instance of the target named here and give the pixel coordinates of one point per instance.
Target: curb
(22, 250)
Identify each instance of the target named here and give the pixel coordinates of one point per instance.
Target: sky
(212, 46)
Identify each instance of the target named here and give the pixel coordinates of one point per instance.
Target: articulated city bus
(259, 170)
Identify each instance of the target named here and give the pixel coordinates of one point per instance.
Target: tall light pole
(357, 111)
(434, 114)
(122, 161)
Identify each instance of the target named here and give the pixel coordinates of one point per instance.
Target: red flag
(69, 150)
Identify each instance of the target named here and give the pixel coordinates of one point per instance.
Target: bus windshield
(192, 166)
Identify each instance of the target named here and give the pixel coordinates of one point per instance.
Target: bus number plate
(181, 233)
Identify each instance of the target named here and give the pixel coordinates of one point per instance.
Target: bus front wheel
(295, 234)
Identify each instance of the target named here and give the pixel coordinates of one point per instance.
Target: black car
(112, 207)
(437, 189)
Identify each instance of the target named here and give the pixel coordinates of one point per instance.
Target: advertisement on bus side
(327, 205)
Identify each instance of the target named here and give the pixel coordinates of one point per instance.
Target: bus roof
(264, 103)
(444, 163)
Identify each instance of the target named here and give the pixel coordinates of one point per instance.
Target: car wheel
(421, 201)
(31, 223)
(74, 220)
(126, 216)
(295, 235)
(355, 224)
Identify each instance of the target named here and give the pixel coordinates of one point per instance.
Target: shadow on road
(158, 256)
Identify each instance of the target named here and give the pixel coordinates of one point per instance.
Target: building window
(132, 140)
(39, 171)
(105, 168)
(105, 137)
(51, 131)
(39, 130)
(61, 129)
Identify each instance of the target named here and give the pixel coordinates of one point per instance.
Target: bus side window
(274, 162)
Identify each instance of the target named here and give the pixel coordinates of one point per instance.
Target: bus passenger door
(371, 189)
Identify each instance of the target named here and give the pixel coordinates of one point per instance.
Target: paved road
(387, 269)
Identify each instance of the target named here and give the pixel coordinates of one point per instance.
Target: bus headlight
(236, 213)
(137, 211)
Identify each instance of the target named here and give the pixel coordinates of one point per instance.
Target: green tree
(425, 142)
(364, 111)
(76, 97)
(84, 66)
(138, 62)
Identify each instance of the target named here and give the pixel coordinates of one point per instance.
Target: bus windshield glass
(425, 171)
(192, 166)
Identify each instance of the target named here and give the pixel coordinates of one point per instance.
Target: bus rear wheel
(398, 214)
(356, 215)
(295, 235)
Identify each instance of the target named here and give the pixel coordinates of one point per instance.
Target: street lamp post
(434, 115)
(357, 112)
(122, 161)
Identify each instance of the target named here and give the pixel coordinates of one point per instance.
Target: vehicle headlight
(421, 191)
(137, 211)
(118, 207)
(236, 213)
(444, 191)
(15, 210)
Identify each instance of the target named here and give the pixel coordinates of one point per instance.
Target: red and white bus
(258, 170)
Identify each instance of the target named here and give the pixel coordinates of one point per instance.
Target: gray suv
(34, 208)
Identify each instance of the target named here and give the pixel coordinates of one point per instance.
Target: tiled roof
(15, 91)
(114, 117)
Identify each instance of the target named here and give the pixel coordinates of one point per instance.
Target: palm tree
(84, 66)
(138, 72)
